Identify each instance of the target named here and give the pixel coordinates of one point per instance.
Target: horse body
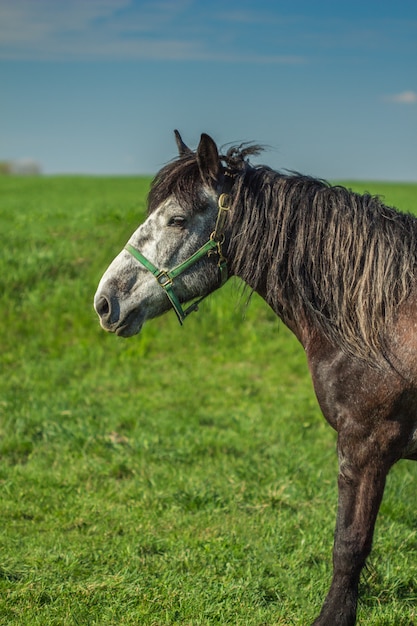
(339, 269)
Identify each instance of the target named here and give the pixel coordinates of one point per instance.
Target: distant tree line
(24, 167)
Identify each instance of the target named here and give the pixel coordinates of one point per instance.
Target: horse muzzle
(108, 309)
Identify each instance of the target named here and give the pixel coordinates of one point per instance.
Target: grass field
(184, 476)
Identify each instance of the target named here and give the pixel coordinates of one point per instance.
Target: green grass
(184, 476)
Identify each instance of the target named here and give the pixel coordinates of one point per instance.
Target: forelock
(181, 179)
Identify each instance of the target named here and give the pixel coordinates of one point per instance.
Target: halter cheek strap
(165, 278)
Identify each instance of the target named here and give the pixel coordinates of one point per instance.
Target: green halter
(165, 278)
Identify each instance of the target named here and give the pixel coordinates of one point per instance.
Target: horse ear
(182, 148)
(208, 160)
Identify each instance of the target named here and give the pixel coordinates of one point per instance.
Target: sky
(329, 87)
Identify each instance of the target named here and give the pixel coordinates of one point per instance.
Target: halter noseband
(165, 278)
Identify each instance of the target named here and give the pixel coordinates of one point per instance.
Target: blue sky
(97, 86)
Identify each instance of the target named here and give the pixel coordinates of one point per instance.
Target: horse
(338, 268)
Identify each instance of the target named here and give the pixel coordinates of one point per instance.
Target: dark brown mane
(180, 178)
(345, 261)
(342, 260)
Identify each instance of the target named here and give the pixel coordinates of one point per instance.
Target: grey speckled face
(128, 293)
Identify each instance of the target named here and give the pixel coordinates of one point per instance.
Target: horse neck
(257, 250)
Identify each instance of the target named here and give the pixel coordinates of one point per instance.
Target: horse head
(182, 207)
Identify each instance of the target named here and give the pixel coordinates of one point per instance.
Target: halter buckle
(164, 279)
(224, 201)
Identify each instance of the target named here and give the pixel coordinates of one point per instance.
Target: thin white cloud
(241, 16)
(117, 30)
(404, 97)
(27, 21)
(50, 29)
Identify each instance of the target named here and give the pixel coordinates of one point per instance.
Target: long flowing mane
(343, 261)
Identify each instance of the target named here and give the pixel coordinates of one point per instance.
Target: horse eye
(177, 221)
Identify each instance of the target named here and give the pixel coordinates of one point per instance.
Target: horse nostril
(103, 307)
